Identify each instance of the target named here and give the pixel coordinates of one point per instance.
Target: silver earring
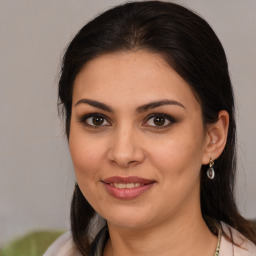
(210, 172)
(76, 183)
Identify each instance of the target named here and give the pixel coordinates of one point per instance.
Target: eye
(159, 120)
(94, 120)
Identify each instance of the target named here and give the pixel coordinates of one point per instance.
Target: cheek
(88, 158)
(178, 164)
(179, 154)
(86, 153)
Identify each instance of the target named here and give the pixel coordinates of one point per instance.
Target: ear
(216, 137)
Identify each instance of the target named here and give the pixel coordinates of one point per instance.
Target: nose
(125, 150)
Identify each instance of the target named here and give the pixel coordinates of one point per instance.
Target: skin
(165, 220)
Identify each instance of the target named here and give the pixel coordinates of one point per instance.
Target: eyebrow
(140, 109)
(95, 104)
(159, 103)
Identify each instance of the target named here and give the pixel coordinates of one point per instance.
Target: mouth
(127, 187)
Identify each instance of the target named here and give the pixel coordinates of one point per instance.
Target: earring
(210, 172)
(76, 183)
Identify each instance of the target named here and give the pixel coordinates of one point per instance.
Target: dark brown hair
(192, 49)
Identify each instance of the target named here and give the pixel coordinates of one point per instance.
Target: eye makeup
(159, 120)
(155, 120)
(94, 120)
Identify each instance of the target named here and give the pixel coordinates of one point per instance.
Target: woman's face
(137, 140)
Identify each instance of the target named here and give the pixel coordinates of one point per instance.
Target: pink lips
(127, 187)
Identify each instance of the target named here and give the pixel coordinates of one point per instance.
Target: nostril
(124, 163)
(132, 163)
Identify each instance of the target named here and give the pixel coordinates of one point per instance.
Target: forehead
(134, 77)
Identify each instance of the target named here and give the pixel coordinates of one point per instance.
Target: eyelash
(167, 117)
(170, 119)
(84, 120)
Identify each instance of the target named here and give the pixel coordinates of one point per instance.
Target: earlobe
(216, 137)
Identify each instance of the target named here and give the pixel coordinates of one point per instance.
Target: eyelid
(90, 115)
(171, 119)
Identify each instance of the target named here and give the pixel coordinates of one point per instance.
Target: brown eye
(97, 120)
(94, 120)
(159, 121)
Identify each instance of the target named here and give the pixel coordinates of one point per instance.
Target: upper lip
(125, 180)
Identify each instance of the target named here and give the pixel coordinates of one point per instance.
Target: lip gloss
(127, 193)
(118, 186)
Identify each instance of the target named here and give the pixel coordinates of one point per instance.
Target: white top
(64, 246)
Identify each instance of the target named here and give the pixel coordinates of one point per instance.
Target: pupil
(97, 120)
(159, 121)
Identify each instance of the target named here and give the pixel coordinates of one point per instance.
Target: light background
(36, 175)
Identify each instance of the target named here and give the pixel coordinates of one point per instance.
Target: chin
(126, 219)
(128, 224)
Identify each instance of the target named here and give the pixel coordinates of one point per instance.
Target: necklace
(218, 244)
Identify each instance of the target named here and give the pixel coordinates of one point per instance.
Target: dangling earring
(76, 183)
(210, 172)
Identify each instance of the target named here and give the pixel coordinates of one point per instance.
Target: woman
(149, 113)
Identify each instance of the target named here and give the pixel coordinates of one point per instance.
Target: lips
(127, 187)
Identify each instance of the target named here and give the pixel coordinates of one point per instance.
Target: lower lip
(127, 193)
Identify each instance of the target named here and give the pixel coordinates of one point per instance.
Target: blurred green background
(32, 244)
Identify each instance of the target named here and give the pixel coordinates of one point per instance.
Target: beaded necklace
(218, 244)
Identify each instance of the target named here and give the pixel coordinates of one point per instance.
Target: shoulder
(243, 247)
(63, 246)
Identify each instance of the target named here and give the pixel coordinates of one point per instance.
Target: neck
(180, 236)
